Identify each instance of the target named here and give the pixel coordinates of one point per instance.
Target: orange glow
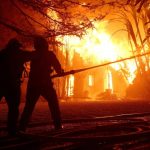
(90, 80)
(52, 14)
(97, 47)
(108, 80)
(70, 86)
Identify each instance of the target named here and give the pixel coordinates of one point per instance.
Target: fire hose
(101, 65)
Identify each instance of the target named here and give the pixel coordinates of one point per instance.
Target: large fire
(98, 47)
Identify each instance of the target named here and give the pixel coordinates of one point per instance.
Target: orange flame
(98, 47)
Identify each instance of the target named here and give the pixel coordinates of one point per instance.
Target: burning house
(108, 82)
(101, 83)
(96, 47)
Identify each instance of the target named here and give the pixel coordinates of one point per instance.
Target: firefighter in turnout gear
(40, 83)
(12, 60)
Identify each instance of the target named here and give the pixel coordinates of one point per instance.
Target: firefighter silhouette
(12, 60)
(40, 83)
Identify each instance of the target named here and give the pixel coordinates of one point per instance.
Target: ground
(80, 108)
(81, 114)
